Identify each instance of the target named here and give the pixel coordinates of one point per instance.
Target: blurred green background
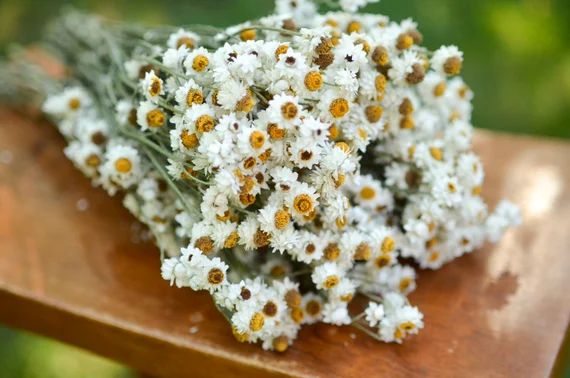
(517, 51)
(517, 61)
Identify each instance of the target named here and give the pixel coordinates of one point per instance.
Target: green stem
(366, 331)
(168, 180)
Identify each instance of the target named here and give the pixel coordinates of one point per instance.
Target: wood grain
(84, 278)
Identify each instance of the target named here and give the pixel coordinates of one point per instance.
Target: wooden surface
(78, 276)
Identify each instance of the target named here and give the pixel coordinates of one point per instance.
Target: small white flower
(68, 103)
(152, 86)
(150, 116)
(447, 60)
(336, 313)
(183, 38)
(326, 276)
(374, 313)
(122, 167)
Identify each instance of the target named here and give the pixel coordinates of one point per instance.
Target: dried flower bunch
(286, 164)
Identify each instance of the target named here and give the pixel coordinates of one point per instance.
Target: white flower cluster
(288, 164)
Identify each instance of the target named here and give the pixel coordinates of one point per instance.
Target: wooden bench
(81, 276)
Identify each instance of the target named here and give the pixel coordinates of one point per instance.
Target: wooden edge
(153, 353)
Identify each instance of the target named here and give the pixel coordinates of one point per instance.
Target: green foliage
(23, 355)
(517, 51)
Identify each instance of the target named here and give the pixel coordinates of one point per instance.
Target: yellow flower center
(241, 337)
(297, 314)
(265, 155)
(334, 132)
(248, 35)
(246, 199)
(380, 83)
(303, 203)
(331, 22)
(439, 89)
(405, 284)
(388, 245)
(363, 252)
(204, 244)
(331, 281)
(417, 75)
(123, 165)
(277, 271)
(270, 309)
(434, 256)
(275, 132)
(463, 91)
(382, 261)
(431, 243)
(93, 160)
(407, 326)
(453, 65)
(313, 307)
(406, 107)
(257, 139)
(74, 103)
(155, 118)
(280, 343)
(353, 27)
(293, 298)
(261, 239)
(204, 123)
(189, 140)
(339, 107)
(215, 276)
(224, 217)
(380, 56)
(257, 321)
(194, 96)
(343, 146)
(405, 41)
(313, 81)
(367, 193)
(249, 163)
(310, 249)
(155, 87)
(323, 60)
(281, 49)
(232, 240)
(289, 110)
(398, 334)
(365, 45)
(340, 180)
(340, 222)
(373, 113)
(200, 63)
(407, 123)
(186, 41)
(332, 252)
(411, 151)
(436, 153)
(246, 104)
(282, 218)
